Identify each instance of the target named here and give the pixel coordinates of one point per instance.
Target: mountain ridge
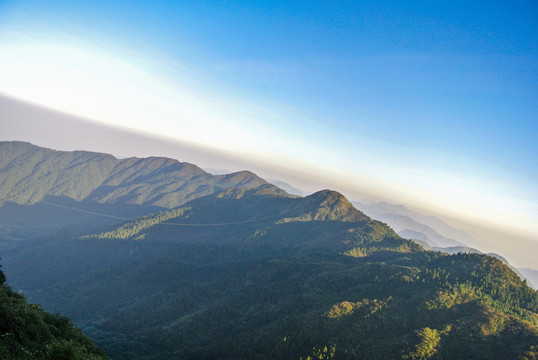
(28, 173)
(249, 271)
(408, 223)
(236, 290)
(381, 208)
(32, 178)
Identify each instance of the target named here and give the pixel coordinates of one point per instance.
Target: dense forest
(32, 178)
(29, 332)
(242, 272)
(317, 280)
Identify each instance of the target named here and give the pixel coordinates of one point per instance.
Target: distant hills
(531, 275)
(413, 225)
(29, 174)
(433, 222)
(288, 188)
(246, 271)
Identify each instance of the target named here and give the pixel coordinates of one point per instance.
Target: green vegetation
(28, 332)
(271, 276)
(30, 173)
(132, 230)
(346, 308)
(273, 289)
(427, 344)
(96, 183)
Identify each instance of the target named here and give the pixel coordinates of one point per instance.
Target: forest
(29, 332)
(155, 259)
(320, 280)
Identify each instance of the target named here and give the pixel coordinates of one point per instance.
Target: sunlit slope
(29, 174)
(39, 188)
(256, 274)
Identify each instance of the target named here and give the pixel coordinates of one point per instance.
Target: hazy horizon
(432, 105)
(28, 122)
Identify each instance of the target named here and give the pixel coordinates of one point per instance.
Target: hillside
(29, 332)
(256, 274)
(37, 184)
(28, 174)
(412, 225)
(156, 259)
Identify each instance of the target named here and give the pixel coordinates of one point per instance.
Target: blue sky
(432, 103)
(455, 76)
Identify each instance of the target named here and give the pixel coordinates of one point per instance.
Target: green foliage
(132, 229)
(342, 309)
(356, 252)
(274, 289)
(28, 332)
(427, 346)
(346, 308)
(322, 354)
(454, 295)
(31, 173)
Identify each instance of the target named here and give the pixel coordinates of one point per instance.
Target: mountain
(399, 218)
(287, 187)
(245, 271)
(29, 332)
(29, 173)
(524, 274)
(39, 187)
(407, 227)
(459, 249)
(217, 171)
(257, 274)
(531, 275)
(408, 222)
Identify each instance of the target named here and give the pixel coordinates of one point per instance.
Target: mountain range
(412, 224)
(427, 230)
(232, 267)
(33, 180)
(29, 174)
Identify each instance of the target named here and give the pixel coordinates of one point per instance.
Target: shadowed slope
(29, 332)
(257, 274)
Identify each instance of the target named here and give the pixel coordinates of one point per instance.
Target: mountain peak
(243, 178)
(265, 189)
(327, 205)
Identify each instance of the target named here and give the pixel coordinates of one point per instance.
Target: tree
(428, 345)
(2, 276)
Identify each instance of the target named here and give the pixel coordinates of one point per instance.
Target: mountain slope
(39, 186)
(412, 225)
(243, 270)
(256, 274)
(29, 173)
(28, 332)
(407, 222)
